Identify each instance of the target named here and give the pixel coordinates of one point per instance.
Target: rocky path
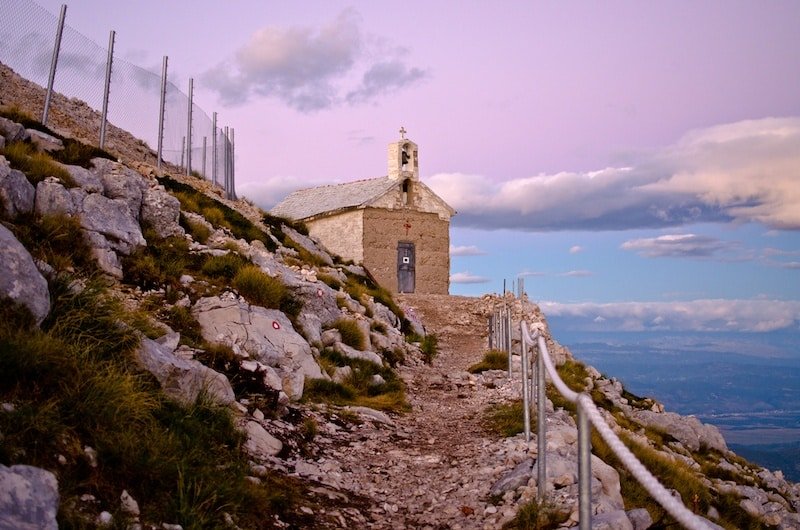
(432, 467)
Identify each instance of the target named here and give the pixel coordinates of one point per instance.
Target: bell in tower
(403, 159)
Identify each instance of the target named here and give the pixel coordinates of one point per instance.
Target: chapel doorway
(405, 267)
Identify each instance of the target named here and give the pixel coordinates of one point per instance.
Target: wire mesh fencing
(27, 42)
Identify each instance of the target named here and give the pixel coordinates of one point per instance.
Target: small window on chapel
(406, 192)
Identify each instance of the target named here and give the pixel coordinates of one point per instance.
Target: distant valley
(754, 398)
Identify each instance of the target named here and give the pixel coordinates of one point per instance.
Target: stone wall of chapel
(383, 229)
(341, 233)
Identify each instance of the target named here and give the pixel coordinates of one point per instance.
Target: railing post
(491, 331)
(161, 111)
(189, 130)
(106, 89)
(526, 400)
(507, 325)
(584, 467)
(54, 63)
(541, 423)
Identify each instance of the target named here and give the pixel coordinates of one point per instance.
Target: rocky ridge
(435, 465)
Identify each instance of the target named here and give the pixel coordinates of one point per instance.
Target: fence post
(183, 152)
(189, 130)
(225, 155)
(106, 89)
(541, 424)
(204, 157)
(232, 193)
(161, 111)
(214, 149)
(584, 468)
(507, 325)
(54, 63)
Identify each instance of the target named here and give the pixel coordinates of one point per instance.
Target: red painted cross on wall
(407, 226)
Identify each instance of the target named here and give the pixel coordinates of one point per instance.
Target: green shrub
(351, 333)
(57, 240)
(395, 356)
(492, 360)
(323, 390)
(36, 165)
(506, 419)
(536, 515)
(429, 347)
(330, 281)
(378, 327)
(199, 231)
(76, 153)
(160, 263)
(181, 320)
(224, 266)
(263, 290)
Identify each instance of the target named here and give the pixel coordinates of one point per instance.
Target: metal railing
(588, 413)
(41, 48)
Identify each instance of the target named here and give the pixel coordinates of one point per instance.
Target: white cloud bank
(695, 315)
(312, 69)
(679, 246)
(466, 250)
(743, 171)
(467, 277)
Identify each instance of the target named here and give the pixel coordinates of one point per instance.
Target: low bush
(160, 264)
(36, 165)
(57, 240)
(181, 320)
(350, 332)
(429, 347)
(77, 153)
(225, 266)
(536, 515)
(506, 419)
(263, 290)
(330, 281)
(199, 231)
(492, 360)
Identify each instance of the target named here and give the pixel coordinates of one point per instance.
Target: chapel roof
(310, 202)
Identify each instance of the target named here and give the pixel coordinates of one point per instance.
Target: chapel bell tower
(403, 159)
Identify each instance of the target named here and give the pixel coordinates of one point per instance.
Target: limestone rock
(640, 519)
(20, 280)
(307, 243)
(181, 379)
(353, 353)
(121, 182)
(44, 141)
(28, 498)
(85, 179)
(517, 477)
(264, 334)
(688, 430)
(161, 211)
(113, 220)
(53, 198)
(16, 192)
(260, 442)
(11, 130)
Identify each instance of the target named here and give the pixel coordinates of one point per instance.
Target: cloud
(575, 249)
(466, 277)
(791, 265)
(310, 69)
(576, 274)
(531, 273)
(466, 250)
(266, 193)
(696, 315)
(743, 171)
(678, 246)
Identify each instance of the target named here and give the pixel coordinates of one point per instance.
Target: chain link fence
(27, 41)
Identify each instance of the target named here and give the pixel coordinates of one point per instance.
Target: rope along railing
(143, 103)
(533, 384)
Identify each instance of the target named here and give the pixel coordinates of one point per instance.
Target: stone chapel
(395, 226)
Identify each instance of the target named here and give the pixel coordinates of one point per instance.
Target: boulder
(516, 478)
(259, 442)
(181, 379)
(53, 198)
(28, 498)
(161, 211)
(640, 519)
(688, 430)
(352, 353)
(307, 244)
(11, 130)
(16, 192)
(44, 141)
(113, 220)
(266, 335)
(616, 520)
(20, 280)
(85, 179)
(121, 182)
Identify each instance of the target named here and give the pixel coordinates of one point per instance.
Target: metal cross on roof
(402, 133)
